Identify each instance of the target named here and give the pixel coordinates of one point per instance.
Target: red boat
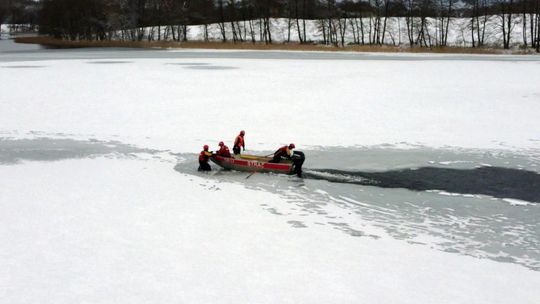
(254, 163)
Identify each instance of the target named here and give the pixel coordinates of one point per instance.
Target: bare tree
(236, 32)
(3, 12)
(342, 28)
(478, 22)
(533, 7)
(221, 22)
(536, 34)
(444, 12)
(410, 11)
(386, 11)
(505, 15)
(377, 22)
(300, 27)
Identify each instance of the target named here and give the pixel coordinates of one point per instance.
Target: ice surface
(138, 232)
(516, 202)
(93, 209)
(364, 102)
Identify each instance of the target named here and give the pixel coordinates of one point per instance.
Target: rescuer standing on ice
(239, 143)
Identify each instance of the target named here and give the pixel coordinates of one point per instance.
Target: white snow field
(180, 104)
(85, 220)
(118, 231)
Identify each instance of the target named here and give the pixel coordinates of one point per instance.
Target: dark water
(493, 181)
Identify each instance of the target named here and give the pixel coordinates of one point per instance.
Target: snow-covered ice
(137, 232)
(101, 202)
(441, 103)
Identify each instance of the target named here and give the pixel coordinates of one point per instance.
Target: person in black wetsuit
(286, 152)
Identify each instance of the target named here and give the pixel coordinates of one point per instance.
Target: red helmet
(221, 144)
(205, 147)
(292, 146)
(242, 132)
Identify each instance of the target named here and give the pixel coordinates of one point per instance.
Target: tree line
(250, 20)
(20, 14)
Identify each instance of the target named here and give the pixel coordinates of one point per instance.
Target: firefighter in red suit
(239, 143)
(283, 152)
(204, 157)
(223, 150)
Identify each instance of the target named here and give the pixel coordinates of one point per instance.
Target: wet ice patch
(338, 177)
(450, 162)
(23, 66)
(406, 156)
(210, 67)
(297, 224)
(462, 223)
(516, 202)
(187, 63)
(109, 62)
(13, 151)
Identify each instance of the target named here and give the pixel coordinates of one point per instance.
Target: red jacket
(204, 156)
(224, 151)
(283, 152)
(239, 142)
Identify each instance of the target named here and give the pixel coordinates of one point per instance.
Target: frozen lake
(10, 52)
(418, 166)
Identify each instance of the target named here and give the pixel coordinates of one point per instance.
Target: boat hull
(252, 163)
